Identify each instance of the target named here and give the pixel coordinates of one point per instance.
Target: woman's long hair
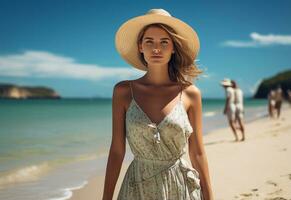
(181, 64)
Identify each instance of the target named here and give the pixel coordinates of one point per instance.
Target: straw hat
(226, 82)
(126, 36)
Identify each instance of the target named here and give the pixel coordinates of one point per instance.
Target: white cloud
(43, 64)
(259, 40)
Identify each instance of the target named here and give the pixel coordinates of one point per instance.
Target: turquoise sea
(50, 147)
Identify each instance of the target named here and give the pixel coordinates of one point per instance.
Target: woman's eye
(164, 42)
(148, 42)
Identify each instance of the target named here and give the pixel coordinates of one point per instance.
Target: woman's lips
(157, 56)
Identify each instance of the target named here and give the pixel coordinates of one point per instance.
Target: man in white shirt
(271, 103)
(239, 108)
(229, 108)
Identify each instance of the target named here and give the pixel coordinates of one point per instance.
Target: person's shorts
(239, 112)
(273, 103)
(231, 113)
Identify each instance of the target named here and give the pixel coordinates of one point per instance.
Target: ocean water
(50, 147)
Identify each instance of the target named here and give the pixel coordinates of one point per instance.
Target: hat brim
(126, 36)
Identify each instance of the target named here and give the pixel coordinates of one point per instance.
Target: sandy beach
(258, 168)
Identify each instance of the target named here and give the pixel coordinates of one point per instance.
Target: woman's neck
(157, 75)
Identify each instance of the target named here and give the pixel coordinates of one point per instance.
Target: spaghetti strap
(181, 92)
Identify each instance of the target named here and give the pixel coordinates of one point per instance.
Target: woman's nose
(155, 50)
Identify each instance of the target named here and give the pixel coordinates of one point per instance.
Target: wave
(209, 114)
(34, 172)
(25, 174)
(68, 192)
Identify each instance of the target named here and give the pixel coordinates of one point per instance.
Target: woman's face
(156, 46)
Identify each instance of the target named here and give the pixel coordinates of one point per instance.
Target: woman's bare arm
(117, 148)
(196, 147)
(226, 105)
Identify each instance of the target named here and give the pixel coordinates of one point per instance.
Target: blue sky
(69, 45)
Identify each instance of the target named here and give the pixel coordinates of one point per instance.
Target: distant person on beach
(158, 113)
(229, 107)
(289, 96)
(279, 99)
(271, 102)
(239, 108)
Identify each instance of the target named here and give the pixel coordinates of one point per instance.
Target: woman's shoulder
(121, 89)
(121, 85)
(192, 91)
(192, 96)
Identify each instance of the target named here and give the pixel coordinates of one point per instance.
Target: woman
(158, 113)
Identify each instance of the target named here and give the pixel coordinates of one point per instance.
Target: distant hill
(283, 79)
(11, 91)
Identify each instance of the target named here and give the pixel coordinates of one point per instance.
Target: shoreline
(227, 158)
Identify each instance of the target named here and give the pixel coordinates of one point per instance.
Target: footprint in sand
(272, 183)
(276, 198)
(275, 192)
(246, 194)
